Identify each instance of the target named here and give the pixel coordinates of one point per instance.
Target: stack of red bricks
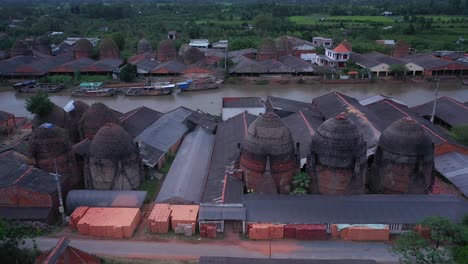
(276, 231)
(306, 232)
(361, 233)
(160, 218)
(259, 231)
(208, 230)
(77, 215)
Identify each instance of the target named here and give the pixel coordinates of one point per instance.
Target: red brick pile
(276, 231)
(361, 233)
(160, 218)
(259, 231)
(208, 230)
(184, 215)
(77, 215)
(306, 232)
(109, 222)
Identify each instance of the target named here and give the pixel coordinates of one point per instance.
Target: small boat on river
(152, 89)
(35, 87)
(95, 89)
(199, 84)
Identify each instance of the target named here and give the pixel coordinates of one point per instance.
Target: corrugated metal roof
(188, 172)
(242, 102)
(160, 136)
(246, 65)
(229, 134)
(296, 64)
(25, 213)
(135, 121)
(284, 107)
(355, 209)
(448, 110)
(377, 98)
(104, 198)
(209, 212)
(13, 172)
(454, 167)
(383, 58)
(363, 61)
(235, 53)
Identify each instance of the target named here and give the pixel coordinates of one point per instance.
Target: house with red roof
(336, 57)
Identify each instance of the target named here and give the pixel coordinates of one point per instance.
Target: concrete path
(253, 249)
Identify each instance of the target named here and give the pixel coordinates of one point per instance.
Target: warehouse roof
(230, 260)
(172, 66)
(274, 66)
(13, 172)
(333, 104)
(229, 134)
(383, 58)
(449, 110)
(235, 53)
(104, 65)
(454, 167)
(33, 65)
(25, 213)
(246, 65)
(242, 102)
(205, 120)
(296, 64)
(187, 176)
(354, 209)
(135, 121)
(283, 106)
(160, 136)
(363, 61)
(430, 62)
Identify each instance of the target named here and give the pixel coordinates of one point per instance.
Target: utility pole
(435, 101)
(59, 191)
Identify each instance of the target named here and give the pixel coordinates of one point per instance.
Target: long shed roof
(448, 110)
(185, 181)
(355, 209)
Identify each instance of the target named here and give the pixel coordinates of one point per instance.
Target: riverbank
(411, 93)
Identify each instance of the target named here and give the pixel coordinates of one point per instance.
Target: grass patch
(115, 260)
(378, 19)
(151, 186)
(168, 163)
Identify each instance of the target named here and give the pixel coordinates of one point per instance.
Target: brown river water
(210, 100)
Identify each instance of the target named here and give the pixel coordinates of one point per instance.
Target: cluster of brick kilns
(182, 219)
(338, 160)
(105, 222)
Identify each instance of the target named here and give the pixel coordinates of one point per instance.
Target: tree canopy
(39, 104)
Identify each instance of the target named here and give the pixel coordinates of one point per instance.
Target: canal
(210, 100)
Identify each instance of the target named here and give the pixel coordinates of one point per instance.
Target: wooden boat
(152, 89)
(34, 87)
(199, 84)
(94, 93)
(93, 90)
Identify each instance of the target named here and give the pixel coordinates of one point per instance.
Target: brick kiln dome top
(57, 116)
(338, 142)
(143, 46)
(112, 142)
(20, 48)
(406, 137)
(267, 47)
(108, 49)
(95, 117)
(190, 55)
(42, 45)
(49, 142)
(269, 135)
(83, 48)
(167, 50)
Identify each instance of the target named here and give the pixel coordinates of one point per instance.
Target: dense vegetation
(426, 24)
(447, 243)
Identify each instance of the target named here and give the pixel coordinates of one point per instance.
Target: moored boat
(93, 90)
(199, 84)
(34, 87)
(152, 89)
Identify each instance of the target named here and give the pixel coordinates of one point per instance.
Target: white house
(336, 57)
(199, 43)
